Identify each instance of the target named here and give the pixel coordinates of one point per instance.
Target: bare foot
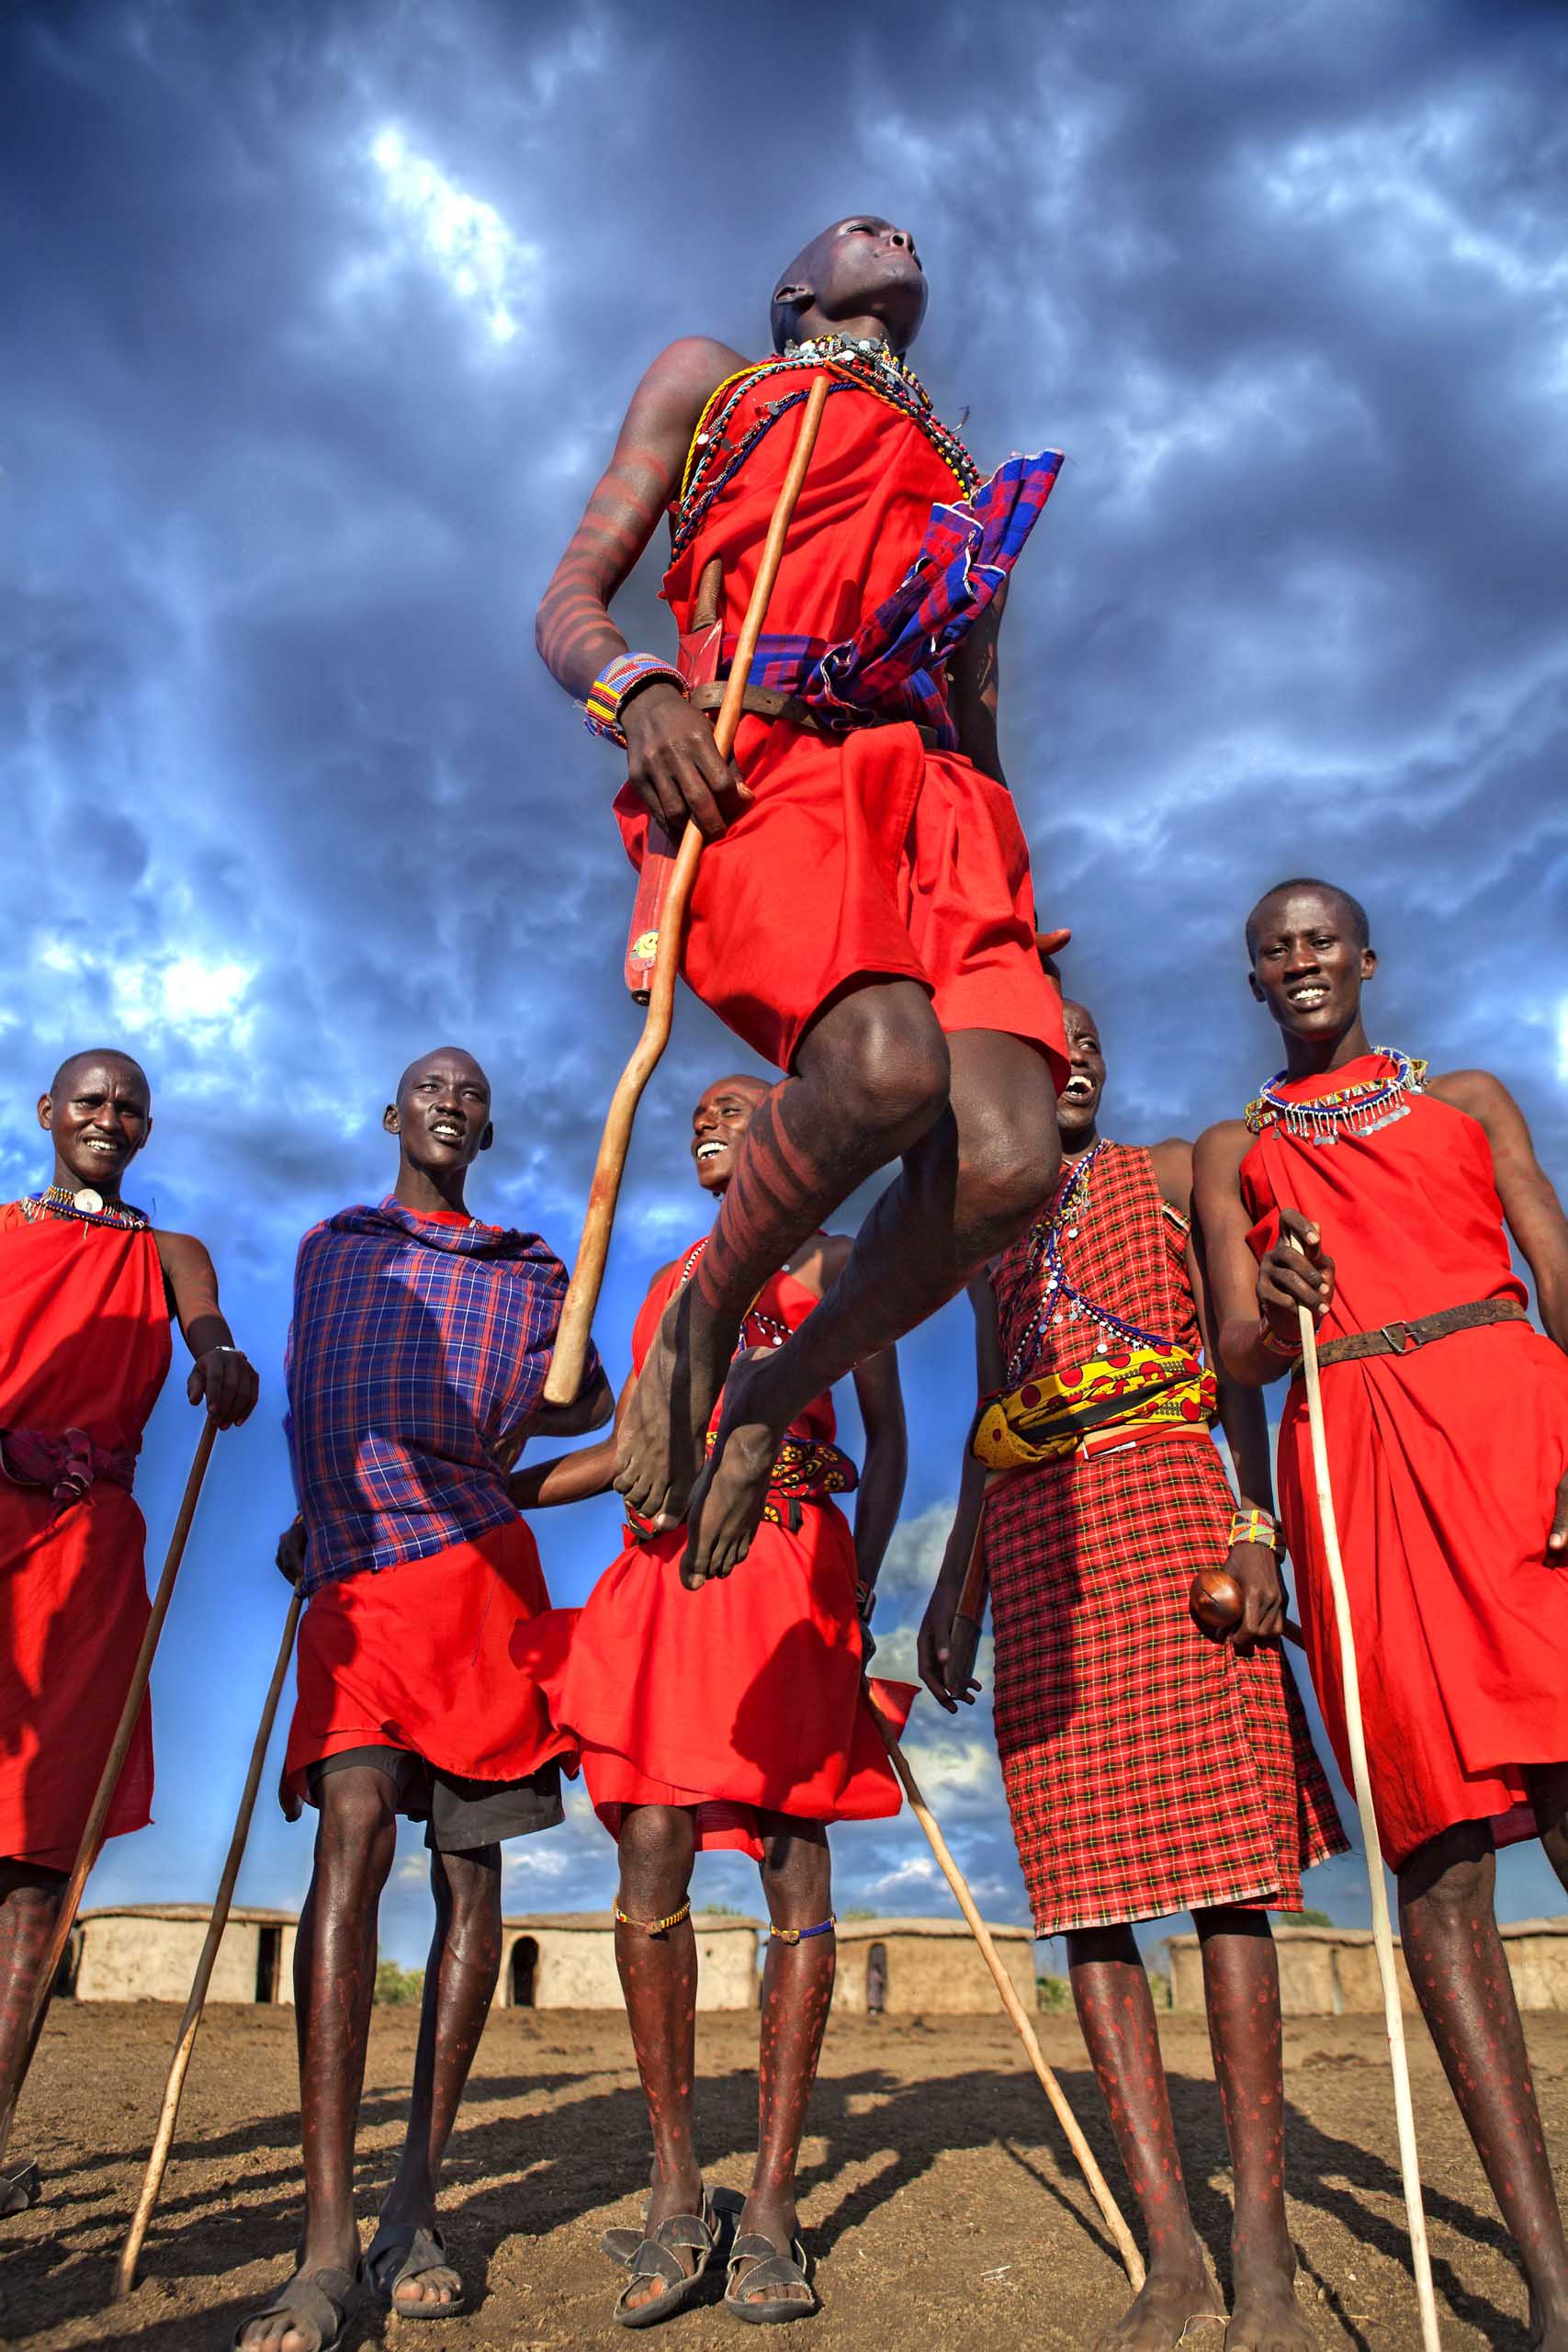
(1156, 2319)
(665, 2200)
(1264, 2317)
(659, 1449)
(727, 1502)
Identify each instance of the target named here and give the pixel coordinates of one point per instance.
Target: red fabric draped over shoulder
(83, 1344)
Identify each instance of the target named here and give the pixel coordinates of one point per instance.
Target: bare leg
(967, 1188)
(1457, 1966)
(29, 1906)
(459, 1981)
(1241, 1989)
(797, 1988)
(1110, 1991)
(871, 1076)
(1548, 1787)
(659, 1977)
(335, 1984)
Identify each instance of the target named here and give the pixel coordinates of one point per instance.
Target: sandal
(318, 2300)
(20, 2189)
(657, 2262)
(769, 2268)
(621, 2245)
(422, 2251)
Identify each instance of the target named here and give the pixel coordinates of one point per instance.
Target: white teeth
(708, 1150)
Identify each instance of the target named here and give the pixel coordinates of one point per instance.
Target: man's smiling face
(718, 1126)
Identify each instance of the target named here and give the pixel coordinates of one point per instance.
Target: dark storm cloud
(288, 795)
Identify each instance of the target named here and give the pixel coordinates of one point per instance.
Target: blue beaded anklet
(801, 1935)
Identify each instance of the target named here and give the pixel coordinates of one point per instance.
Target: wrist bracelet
(1254, 1527)
(1276, 1346)
(614, 682)
(865, 1600)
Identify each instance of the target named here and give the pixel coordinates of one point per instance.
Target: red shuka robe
(746, 1696)
(83, 1344)
(865, 853)
(1445, 1464)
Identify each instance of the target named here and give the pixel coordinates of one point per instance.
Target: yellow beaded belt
(1110, 1400)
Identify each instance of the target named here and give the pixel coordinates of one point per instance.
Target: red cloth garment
(746, 1696)
(1148, 1768)
(84, 1345)
(1445, 1465)
(419, 1656)
(867, 853)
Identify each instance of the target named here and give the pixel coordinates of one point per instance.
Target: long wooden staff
(565, 1375)
(1111, 2212)
(1383, 1929)
(108, 1780)
(190, 2024)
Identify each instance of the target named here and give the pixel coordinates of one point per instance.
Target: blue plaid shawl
(892, 667)
(416, 1348)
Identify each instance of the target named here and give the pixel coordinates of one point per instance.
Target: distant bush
(1308, 1919)
(395, 1983)
(1160, 1987)
(859, 1912)
(1053, 1992)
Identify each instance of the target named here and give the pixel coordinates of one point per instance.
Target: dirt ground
(938, 2201)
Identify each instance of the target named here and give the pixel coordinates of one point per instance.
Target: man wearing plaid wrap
(1149, 1770)
(417, 1365)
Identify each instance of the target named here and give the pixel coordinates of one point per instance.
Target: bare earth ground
(938, 2199)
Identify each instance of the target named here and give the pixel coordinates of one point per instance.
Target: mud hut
(566, 1960)
(930, 1967)
(148, 1951)
(1333, 1972)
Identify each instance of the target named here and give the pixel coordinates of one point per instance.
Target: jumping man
(1149, 1770)
(863, 912)
(418, 1352)
(1447, 1421)
(737, 1719)
(87, 1286)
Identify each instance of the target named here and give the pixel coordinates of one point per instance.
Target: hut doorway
(875, 1980)
(270, 1963)
(524, 1972)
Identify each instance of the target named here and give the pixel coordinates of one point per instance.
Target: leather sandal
(768, 2268)
(316, 2301)
(656, 2262)
(423, 2250)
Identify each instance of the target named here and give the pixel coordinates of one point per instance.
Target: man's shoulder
(679, 382)
(1477, 1092)
(1220, 1149)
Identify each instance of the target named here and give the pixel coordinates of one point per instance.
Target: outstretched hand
(675, 764)
(1290, 1278)
(226, 1382)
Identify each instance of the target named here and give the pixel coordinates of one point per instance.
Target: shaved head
(859, 270)
(455, 1056)
(744, 1083)
(1352, 913)
(98, 1058)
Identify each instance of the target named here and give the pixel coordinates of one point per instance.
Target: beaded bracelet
(1275, 1345)
(803, 1935)
(615, 682)
(1254, 1527)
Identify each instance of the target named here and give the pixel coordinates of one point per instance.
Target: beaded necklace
(1359, 1109)
(712, 461)
(86, 1207)
(772, 1330)
(1045, 1259)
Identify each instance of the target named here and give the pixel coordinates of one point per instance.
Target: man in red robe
(864, 913)
(87, 1286)
(1447, 1420)
(416, 1363)
(738, 1718)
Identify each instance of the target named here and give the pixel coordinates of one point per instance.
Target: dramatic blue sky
(319, 318)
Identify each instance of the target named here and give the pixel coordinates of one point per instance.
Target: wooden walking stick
(1111, 2212)
(565, 1375)
(108, 1780)
(190, 2024)
(1383, 1927)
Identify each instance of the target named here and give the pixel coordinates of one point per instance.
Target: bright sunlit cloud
(162, 991)
(466, 239)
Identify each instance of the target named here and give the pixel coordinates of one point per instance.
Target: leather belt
(771, 702)
(1404, 1338)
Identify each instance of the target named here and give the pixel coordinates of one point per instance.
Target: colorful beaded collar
(714, 461)
(86, 1207)
(1359, 1109)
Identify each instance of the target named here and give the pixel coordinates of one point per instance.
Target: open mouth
(707, 1151)
(1078, 1089)
(104, 1147)
(1307, 996)
(445, 1131)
